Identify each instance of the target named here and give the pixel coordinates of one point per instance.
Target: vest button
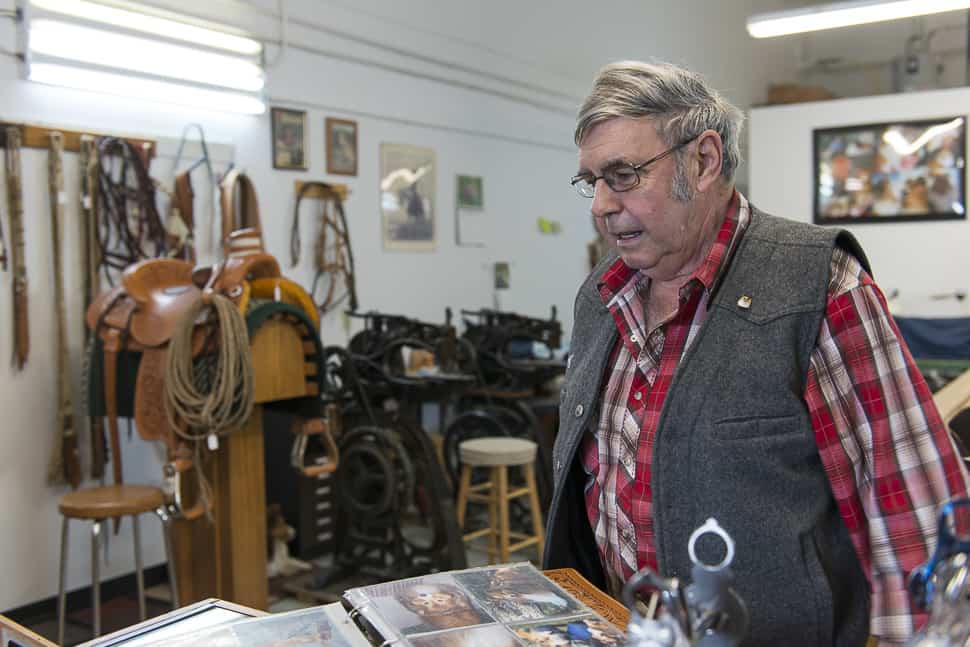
(579, 410)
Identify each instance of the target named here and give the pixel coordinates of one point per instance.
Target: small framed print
(470, 192)
(289, 139)
(341, 146)
(502, 276)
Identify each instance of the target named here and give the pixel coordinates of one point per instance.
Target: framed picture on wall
(470, 194)
(289, 139)
(897, 171)
(341, 146)
(407, 197)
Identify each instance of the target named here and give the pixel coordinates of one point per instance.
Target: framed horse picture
(407, 189)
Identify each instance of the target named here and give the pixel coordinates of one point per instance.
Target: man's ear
(708, 159)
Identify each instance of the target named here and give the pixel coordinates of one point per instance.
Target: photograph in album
(518, 593)
(477, 606)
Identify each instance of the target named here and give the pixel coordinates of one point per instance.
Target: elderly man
(731, 364)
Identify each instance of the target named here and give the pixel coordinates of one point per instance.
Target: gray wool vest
(734, 442)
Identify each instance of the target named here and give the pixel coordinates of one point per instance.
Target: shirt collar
(620, 277)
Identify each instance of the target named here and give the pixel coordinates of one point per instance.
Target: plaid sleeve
(885, 449)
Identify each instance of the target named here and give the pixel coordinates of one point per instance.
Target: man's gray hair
(680, 103)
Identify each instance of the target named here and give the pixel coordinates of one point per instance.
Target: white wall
(858, 61)
(491, 96)
(918, 259)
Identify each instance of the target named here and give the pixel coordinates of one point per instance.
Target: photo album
(511, 605)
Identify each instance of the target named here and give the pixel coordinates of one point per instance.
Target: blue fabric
(943, 338)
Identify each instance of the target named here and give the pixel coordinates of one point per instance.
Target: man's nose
(605, 200)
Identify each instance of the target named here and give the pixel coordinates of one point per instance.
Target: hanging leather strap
(90, 251)
(181, 220)
(91, 281)
(3, 249)
(112, 345)
(18, 260)
(65, 464)
(242, 233)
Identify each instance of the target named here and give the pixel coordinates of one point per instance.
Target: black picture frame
(290, 139)
(899, 171)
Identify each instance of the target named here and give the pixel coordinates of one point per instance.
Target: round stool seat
(111, 501)
(497, 451)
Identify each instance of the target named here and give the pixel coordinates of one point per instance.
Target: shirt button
(579, 410)
(637, 396)
(634, 339)
(558, 464)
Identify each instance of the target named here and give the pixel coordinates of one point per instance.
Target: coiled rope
(228, 402)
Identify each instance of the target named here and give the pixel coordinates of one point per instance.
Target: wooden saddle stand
(135, 323)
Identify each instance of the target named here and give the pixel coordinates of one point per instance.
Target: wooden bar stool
(112, 502)
(499, 454)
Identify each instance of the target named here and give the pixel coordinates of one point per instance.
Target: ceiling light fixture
(99, 47)
(845, 14)
(149, 24)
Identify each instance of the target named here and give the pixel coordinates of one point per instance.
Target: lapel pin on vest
(744, 302)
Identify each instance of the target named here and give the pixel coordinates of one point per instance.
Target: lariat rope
(228, 402)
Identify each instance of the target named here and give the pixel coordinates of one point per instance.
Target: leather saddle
(140, 315)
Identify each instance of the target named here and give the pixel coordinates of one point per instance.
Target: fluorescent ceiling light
(111, 49)
(148, 89)
(845, 14)
(155, 25)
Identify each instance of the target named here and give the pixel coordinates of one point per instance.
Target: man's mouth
(627, 236)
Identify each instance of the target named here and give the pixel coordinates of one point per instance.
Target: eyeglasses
(621, 176)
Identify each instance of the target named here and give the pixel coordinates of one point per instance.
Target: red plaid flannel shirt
(869, 407)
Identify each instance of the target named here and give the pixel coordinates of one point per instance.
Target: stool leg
(503, 514)
(139, 577)
(62, 590)
(166, 520)
(465, 483)
(493, 518)
(534, 507)
(96, 576)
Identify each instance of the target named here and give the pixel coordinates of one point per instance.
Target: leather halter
(130, 228)
(334, 255)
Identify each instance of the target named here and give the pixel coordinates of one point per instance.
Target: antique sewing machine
(515, 352)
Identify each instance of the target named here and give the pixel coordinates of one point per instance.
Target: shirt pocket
(756, 427)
